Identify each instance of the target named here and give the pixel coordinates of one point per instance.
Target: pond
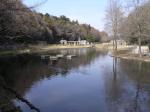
(90, 82)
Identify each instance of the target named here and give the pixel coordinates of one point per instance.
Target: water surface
(91, 82)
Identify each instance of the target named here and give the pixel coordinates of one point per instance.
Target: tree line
(64, 28)
(130, 22)
(20, 24)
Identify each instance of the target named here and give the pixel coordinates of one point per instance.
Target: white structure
(119, 42)
(144, 49)
(84, 42)
(63, 42)
(79, 42)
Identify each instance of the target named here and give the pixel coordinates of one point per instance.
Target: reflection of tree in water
(131, 68)
(137, 94)
(6, 103)
(21, 72)
(15, 73)
(139, 99)
(140, 102)
(128, 88)
(113, 87)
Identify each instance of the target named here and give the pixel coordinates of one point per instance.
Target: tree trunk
(115, 45)
(115, 41)
(140, 50)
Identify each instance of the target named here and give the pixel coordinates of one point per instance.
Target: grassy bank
(132, 57)
(109, 47)
(123, 52)
(40, 48)
(55, 47)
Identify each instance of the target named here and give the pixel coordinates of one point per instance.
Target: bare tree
(114, 17)
(138, 20)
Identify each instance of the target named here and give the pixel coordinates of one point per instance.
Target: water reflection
(126, 86)
(91, 82)
(139, 75)
(114, 91)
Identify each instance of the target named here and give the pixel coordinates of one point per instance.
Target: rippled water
(91, 82)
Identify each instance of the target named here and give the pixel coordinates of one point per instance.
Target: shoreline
(39, 49)
(132, 57)
(123, 51)
(56, 47)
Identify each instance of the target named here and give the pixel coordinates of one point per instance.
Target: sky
(85, 11)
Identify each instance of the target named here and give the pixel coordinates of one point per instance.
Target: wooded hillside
(19, 24)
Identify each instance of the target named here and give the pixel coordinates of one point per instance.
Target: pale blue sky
(85, 11)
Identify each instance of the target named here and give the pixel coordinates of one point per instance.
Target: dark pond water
(91, 82)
